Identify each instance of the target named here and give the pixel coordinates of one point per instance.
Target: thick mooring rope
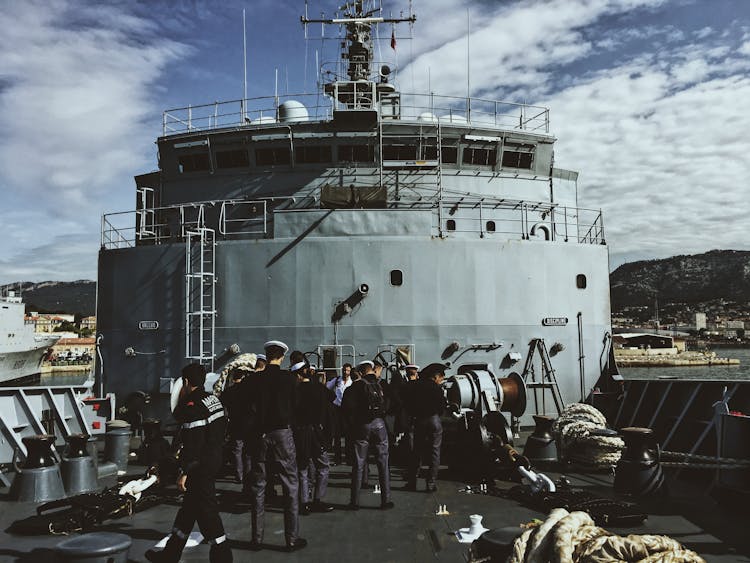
(244, 361)
(576, 443)
(574, 538)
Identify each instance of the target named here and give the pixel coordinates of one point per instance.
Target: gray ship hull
(21, 365)
(469, 291)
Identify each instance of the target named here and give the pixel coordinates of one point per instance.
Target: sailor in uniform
(273, 402)
(234, 404)
(364, 408)
(426, 403)
(311, 435)
(202, 428)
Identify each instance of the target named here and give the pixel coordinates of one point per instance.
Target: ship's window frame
(195, 161)
(479, 155)
(490, 226)
(518, 155)
(397, 278)
(581, 281)
(313, 154)
(401, 150)
(448, 151)
(357, 156)
(232, 158)
(450, 225)
(280, 155)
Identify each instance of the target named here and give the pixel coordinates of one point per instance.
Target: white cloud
(658, 132)
(78, 113)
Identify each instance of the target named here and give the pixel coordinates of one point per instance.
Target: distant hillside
(75, 298)
(718, 275)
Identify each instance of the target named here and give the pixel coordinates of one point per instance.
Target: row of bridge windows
(513, 156)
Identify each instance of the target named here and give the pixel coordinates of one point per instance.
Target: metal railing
(481, 216)
(319, 107)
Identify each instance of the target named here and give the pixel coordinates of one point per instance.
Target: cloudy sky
(649, 99)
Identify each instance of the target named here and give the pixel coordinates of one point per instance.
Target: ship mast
(358, 18)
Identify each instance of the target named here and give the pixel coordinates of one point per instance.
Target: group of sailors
(282, 424)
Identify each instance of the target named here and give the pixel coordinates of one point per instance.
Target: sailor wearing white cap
(260, 362)
(412, 371)
(274, 402)
(276, 344)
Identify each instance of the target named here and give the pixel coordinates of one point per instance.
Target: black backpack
(375, 399)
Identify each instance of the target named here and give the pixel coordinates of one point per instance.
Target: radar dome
(292, 111)
(427, 116)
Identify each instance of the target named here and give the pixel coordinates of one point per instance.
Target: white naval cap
(412, 366)
(366, 363)
(298, 366)
(277, 343)
(260, 357)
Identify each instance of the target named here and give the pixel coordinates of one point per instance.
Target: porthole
(490, 226)
(581, 281)
(450, 224)
(397, 278)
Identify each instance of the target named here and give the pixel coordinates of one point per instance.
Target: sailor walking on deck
(273, 401)
(338, 385)
(203, 425)
(426, 403)
(364, 408)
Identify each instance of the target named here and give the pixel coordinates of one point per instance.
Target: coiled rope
(572, 537)
(577, 442)
(246, 361)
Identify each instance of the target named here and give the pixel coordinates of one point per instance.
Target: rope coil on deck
(572, 537)
(577, 442)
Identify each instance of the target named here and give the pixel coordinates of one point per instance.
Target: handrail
(422, 107)
(452, 214)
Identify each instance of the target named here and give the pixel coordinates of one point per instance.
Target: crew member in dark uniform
(234, 404)
(202, 427)
(426, 402)
(364, 407)
(273, 401)
(311, 436)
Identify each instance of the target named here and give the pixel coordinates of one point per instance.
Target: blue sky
(649, 99)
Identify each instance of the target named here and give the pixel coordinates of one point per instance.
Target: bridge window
(272, 156)
(312, 154)
(581, 281)
(448, 154)
(490, 226)
(194, 162)
(483, 157)
(450, 224)
(232, 159)
(356, 153)
(397, 277)
(518, 155)
(399, 152)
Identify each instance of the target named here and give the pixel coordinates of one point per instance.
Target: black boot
(220, 553)
(171, 552)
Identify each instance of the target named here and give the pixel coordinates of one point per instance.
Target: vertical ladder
(547, 380)
(200, 295)
(439, 179)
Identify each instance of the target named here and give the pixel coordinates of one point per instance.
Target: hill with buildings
(75, 298)
(716, 283)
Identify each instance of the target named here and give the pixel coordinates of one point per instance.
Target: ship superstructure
(21, 349)
(357, 221)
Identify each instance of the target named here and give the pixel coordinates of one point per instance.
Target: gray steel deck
(410, 532)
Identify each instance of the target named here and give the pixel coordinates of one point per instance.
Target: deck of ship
(410, 532)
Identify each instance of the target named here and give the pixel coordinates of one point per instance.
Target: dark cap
(195, 374)
(432, 370)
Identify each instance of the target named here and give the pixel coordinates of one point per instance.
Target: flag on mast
(393, 39)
